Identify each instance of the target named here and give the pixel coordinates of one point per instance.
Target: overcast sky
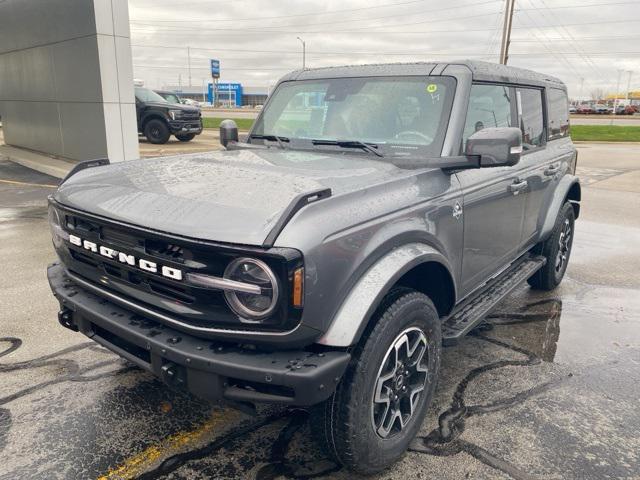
(255, 40)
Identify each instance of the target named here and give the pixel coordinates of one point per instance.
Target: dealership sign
(215, 68)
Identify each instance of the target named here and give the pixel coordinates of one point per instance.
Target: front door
(493, 204)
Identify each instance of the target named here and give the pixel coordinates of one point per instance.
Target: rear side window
(489, 106)
(558, 113)
(530, 117)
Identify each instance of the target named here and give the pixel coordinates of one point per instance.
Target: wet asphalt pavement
(548, 388)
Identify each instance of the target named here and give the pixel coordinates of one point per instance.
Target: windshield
(146, 95)
(399, 115)
(171, 98)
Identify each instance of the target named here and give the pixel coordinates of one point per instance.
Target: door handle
(552, 170)
(517, 186)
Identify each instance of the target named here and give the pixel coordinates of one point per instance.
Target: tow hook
(173, 374)
(65, 317)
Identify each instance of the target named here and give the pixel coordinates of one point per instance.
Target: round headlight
(252, 306)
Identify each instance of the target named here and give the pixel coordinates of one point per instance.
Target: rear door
(535, 156)
(493, 208)
(546, 154)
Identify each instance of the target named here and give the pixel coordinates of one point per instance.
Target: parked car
(158, 118)
(191, 102)
(585, 109)
(324, 262)
(626, 110)
(602, 109)
(573, 109)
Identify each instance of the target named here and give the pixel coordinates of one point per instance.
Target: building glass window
(558, 113)
(530, 117)
(489, 106)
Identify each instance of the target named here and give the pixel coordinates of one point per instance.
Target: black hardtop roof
(481, 71)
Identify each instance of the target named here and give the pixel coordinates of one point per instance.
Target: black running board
(474, 310)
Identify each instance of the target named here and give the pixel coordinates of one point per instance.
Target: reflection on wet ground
(98, 416)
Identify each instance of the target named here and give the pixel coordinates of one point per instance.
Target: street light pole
(628, 84)
(304, 52)
(189, 63)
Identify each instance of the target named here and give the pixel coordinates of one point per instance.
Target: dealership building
(229, 94)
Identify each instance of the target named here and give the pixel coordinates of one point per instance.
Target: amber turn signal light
(298, 290)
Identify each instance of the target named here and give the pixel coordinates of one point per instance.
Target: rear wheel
(157, 131)
(380, 404)
(185, 137)
(557, 250)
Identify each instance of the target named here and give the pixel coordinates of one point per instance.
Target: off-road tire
(156, 131)
(550, 276)
(344, 423)
(185, 137)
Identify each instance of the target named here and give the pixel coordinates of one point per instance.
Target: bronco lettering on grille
(127, 259)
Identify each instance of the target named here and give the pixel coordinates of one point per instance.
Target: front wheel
(157, 131)
(185, 137)
(557, 250)
(379, 405)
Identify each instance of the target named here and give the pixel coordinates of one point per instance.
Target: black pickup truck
(158, 119)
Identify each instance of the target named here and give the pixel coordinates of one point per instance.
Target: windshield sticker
(432, 87)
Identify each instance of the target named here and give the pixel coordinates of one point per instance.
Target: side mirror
(495, 147)
(228, 132)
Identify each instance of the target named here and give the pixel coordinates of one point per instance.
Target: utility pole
(189, 63)
(304, 52)
(506, 31)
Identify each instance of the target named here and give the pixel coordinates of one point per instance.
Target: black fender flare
(151, 116)
(355, 311)
(568, 189)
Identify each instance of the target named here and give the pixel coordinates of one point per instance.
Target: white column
(116, 77)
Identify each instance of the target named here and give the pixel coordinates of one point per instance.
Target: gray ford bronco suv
(372, 215)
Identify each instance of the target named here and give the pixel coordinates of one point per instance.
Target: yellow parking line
(141, 462)
(27, 184)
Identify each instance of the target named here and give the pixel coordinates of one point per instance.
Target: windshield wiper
(368, 147)
(272, 138)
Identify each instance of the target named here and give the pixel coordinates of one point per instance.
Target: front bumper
(212, 370)
(185, 126)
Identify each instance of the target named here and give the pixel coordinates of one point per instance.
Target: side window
(489, 106)
(530, 117)
(558, 113)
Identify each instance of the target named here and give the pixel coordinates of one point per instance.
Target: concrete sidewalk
(56, 167)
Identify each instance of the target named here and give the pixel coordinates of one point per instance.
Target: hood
(173, 106)
(227, 196)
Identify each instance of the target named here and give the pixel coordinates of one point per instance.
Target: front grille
(190, 116)
(165, 249)
(192, 305)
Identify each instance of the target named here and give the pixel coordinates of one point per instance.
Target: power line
(242, 32)
(386, 17)
(334, 12)
(314, 14)
(589, 62)
(563, 58)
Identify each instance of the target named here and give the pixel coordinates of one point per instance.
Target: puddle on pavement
(20, 213)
